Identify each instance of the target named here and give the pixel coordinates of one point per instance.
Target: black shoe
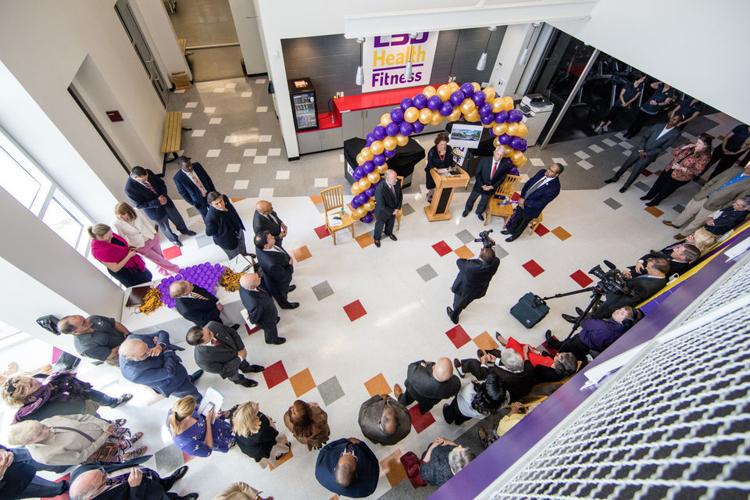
(64, 486)
(189, 233)
(278, 341)
(579, 311)
(235, 326)
(465, 213)
(623, 189)
(548, 335)
(569, 318)
(645, 197)
(377, 243)
(392, 236)
(512, 238)
(457, 364)
(278, 318)
(504, 231)
(177, 243)
(178, 474)
(290, 305)
(652, 203)
(189, 496)
(498, 337)
(246, 382)
(122, 400)
(292, 288)
(196, 375)
(480, 216)
(256, 368)
(451, 315)
(610, 180)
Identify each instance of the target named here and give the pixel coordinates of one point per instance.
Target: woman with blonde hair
(257, 436)
(308, 423)
(240, 491)
(196, 434)
(120, 259)
(702, 239)
(142, 235)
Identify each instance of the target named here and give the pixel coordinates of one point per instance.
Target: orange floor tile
(464, 252)
(302, 382)
(485, 341)
(561, 233)
(365, 240)
(377, 385)
(391, 466)
(301, 253)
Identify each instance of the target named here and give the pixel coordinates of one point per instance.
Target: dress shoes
(189, 496)
(290, 305)
(652, 203)
(178, 474)
(668, 223)
(235, 326)
(480, 353)
(277, 341)
(292, 288)
(256, 368)
(392, 236)
(457, 365)
(196, 375)
(511, 238)
(480, 216)
(610, 180)
(569, 318)
(645, 197)
(679, 236)
(548, 335)
(451, 315)
(278, 318)
(122, 400)
(465, 213)
(504, 231)
(622, 189)
(500, 338)
(246, 382)
(377, 243)
(189, 233)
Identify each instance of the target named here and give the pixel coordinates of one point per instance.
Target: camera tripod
(596, 296)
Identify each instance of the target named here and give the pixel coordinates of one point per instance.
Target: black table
(402, 162)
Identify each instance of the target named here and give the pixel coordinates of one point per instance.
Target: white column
(248, 34)
(154, 21)
(511, 58)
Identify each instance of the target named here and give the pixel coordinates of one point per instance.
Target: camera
(611, 281)
(484, 238)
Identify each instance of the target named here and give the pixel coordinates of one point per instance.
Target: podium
(439, 209)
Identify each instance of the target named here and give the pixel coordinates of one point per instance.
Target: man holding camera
(474, 276)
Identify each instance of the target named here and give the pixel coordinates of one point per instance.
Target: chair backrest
(400, 180)
(509, 185)
(333, 197)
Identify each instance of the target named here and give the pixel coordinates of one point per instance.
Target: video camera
(611, 281)
(484, 238)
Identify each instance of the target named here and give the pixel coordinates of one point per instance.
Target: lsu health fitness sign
(384, 60)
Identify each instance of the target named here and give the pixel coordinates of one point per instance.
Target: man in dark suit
(681, 257)
(384, 420)
(265, 219)
(18, 477)
(224, 224)
(428, 383)
(474, 276)
(388, 201)
(726, 219)
(536, 194)
(490, 174)
(658, 138)
(515, 374)
(348, 468)
(149, 193)
(196, 304)
(219, 349)
(103, 482)
(260, 307)
(277, 269)
(193, 184)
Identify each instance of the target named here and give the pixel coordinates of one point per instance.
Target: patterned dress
(192, 439)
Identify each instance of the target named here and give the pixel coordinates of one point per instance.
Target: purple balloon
(361, 198)
(457, 97)
(369, 141)
(391, 154)
(378, 133)
(420, 101)
(393, 127)
(406, 104)
(468, 89)
(397, 115)
(378, 160)
(406, 128)
(487, 119)
(515, 143)
(418, 127)
(446, 109)
(501, 117)
(515, 115)
(358, 173)
(486, 109)
(355, 202)
(492, 131)
(434, 102)
(370, 191)
(522, 146)
(372, 136)
(478, 98)
(504, 139)
(367, 218)
(368, 167)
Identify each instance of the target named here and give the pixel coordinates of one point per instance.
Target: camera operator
(681, 257)
(636, 290)
(474, 276)
(595, 335)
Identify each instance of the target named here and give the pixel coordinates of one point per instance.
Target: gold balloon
(518, 158)
(429, 91)
(499, 129)
(508, 151)
(489, 93)
(355, 215)
(411, 114)
(402, 140)
(366, 154)
(444, 92)
(513, 129)
(467, 106)
(390, 143)
(497, 106)
(473, 116)
(369, 205)
(437, 119)
(377, 147)
(476, 86)
(508, 103)
(373, 177)
(454, 86)
(425, 116)
(455, 114)
(355, 188)
(385, 119)
(360, 211)
(521, 129)
(360, 159)
(364, 184)
(382, 168)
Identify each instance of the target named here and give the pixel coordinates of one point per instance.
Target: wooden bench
(171, 141)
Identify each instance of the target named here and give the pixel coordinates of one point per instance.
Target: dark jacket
(675, 267)
(145, 199)
(187, 188)
(151, 487)
(517, 384)
(164, 373)
(16, 478)
(368, 469)
(654, 145)
(277, 269)
(260, 307)
(263, 223)
(641, 288)
(259, 445)
(224, 226)
(534, 203)
(199, 311)
(728, 219)
(484, 169)
(598, 334)
(223, 358)
(386, 201)
(369, 420)
(474, 276)
(434, 161)
(422, 385)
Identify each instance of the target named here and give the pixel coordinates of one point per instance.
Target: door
(122, 7)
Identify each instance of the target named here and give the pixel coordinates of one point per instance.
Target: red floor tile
(541, 229)
(581, 278)
(646, 173)
(186, 458)
(172, 252)
(516, 196)
(355, 310)
(420, 420)
(250, 331)
(533, 268)
(458, 336)
(441, 248)
(322, 231)
(275, 374)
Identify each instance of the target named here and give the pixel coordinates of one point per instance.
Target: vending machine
(302, 93)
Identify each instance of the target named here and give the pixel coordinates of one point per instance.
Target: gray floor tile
(202, 240)
(407, 209)
(642, 186)
(322, 290)
(330, 391)
(192, 212)
(427, 272)
(465, 236)
(500, 252)
(612, 203)
(678, 208)
(168, 459)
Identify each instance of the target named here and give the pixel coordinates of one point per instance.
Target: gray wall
(331, 61)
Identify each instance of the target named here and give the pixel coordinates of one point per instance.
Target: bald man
(260, 307)
(124, 482)
(195, 304)
(428, 383)
(348, 468)
(265, 219)
(384, 420)
(388, 201)
(152, 361)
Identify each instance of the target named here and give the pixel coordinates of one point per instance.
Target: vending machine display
(302, 93)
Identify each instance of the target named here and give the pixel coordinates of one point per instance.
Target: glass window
(62, 222)
(17, 181)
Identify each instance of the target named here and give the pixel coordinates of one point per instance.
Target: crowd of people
(56, 425)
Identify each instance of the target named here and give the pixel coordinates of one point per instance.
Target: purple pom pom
(368, 167)
(390, 154)
(406, 104)
(504, 139)
(393, 128)
(501, 117)
(457, 97)
(379, 133)
(370, 192)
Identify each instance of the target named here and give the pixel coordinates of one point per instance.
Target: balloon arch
(430, 107)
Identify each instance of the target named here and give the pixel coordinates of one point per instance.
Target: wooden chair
(500, 204)
(333, 203)
(400, 212)
(535, 222)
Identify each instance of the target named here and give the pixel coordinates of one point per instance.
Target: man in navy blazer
(266, 219)
(260, 307)
(224, 224)
(536, 194)
(152, 361)
(474, 276)
(196, 304)
(102, 481)
(348, 467)
(193, 184)
(149, 193)
(658, 138)
(277, 269)
(490, 174)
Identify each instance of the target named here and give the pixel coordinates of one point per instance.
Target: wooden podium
(439, 209)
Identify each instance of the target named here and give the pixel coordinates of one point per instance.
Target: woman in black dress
(257, 436)
(439, 156)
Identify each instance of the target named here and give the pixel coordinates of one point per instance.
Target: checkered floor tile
(533, 268)
(458, 336)
(354, 310)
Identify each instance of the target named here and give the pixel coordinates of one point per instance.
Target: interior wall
(246, 24)
(156, 26)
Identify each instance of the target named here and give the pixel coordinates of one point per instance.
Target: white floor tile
(321, 182)
(243, 184)
(341, 158)
(232, 168)
(274, 152)
(537, 162)
(281, 175)
(199, 132)
(219, 90)
(213, 153)
(186, 116)
(585, 165)
(265, 193)
(596, 149)
(191, 104)
(620, 135)
(581, 155)
(260, 160)
(228, 139)
(625, 144)
(230, 86)
(261, 109)
(561, 161)
(250, 152)
(609, 142)
(626, 152)
(210, 109)
(260, 81)
(246, 94)
(264, 138)
(215, 121)
(179, 91)
(524, 178)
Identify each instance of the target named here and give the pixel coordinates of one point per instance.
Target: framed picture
(465, 136)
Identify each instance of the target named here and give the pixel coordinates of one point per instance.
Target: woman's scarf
(106, 251)
(60, 386)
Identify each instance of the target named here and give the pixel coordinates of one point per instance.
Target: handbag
(412, 464)
(49, 323)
